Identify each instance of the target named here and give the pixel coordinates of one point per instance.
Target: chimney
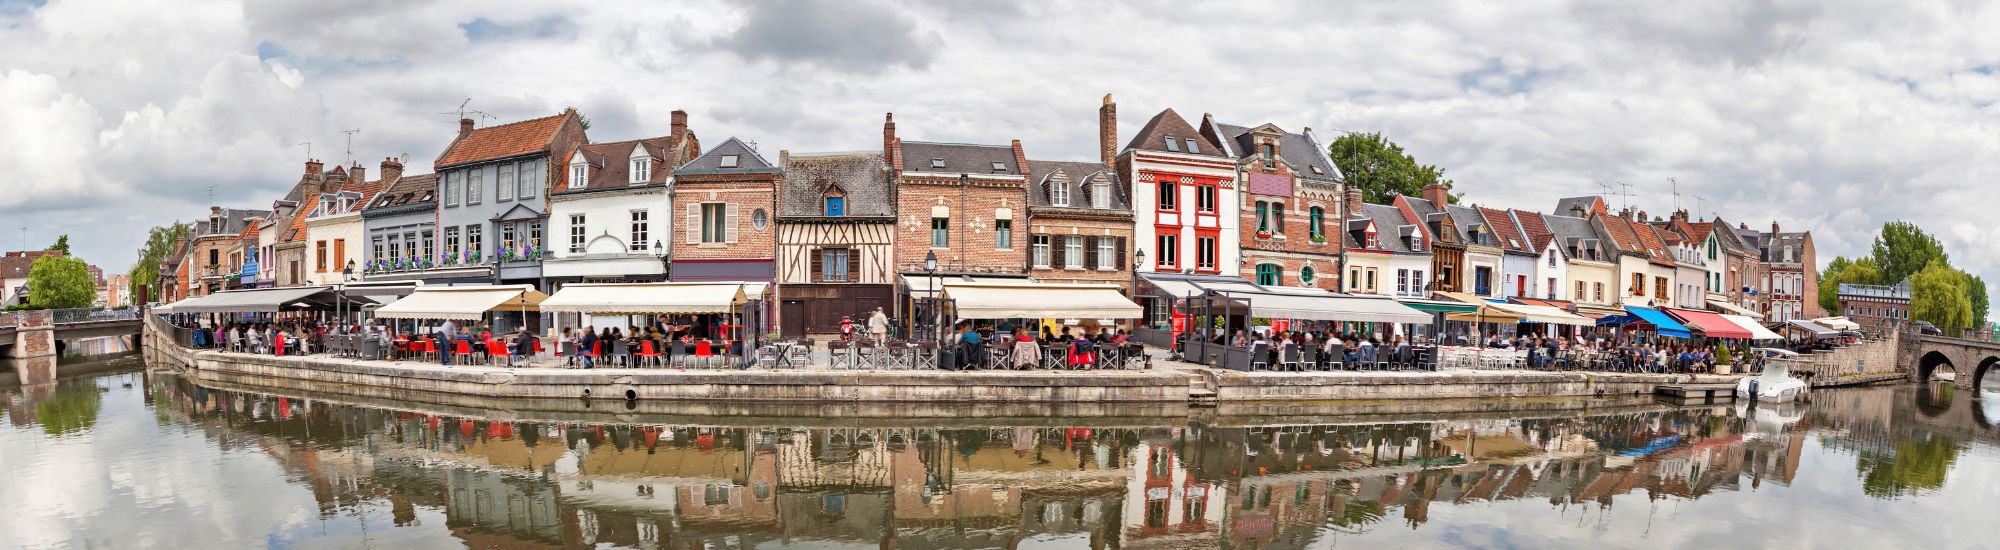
(889, 148)
(1577, 211)
(1107, 133)
(358, 173)
(1020, 160)
(312, 167)
(1438, 194)
(464, 127)
(1774, 227)
(678, 125)
(1642, 216)
(784, 158)
(391, 170)
(1353, 203)
(1681, 215)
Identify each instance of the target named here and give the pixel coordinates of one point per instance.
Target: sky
(1830, 116)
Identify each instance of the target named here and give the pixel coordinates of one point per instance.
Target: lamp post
(346, 274)
(1139, 259)
(660, 251)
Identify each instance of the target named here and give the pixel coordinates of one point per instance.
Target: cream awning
(1546, 314)
(646, 298)
(918, 284)
(1836, 323)
(1487, 312)
(265, 300)
(1310, 304)
(1757, 331)
(464, 303)
(1734, 309)
(1039, 301)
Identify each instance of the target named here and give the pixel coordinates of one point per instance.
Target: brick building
(1879, 307)
(726, 201)
(960, 202)
(210, 268)
(1079, 226)
(1791, 277)
(1289, 190)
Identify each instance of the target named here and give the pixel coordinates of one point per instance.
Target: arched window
(1316, 218)
(1270, 275)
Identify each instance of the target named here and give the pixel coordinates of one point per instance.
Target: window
(576, 232)
(1172, 145)
(1369, 274)
(999, 167)
(937, 162)
(1269, 275)
(1204, 252)
(425, 252)
(1168, 246)
(1582, 291)
(474, 187)
(1638, 284)
(714, 216)
(1204, 198)
(530, 180)
(834, 264)
(642, 230)
(1278, 218)
(1263, 217)
(1168, 196)
(1354, 279)
(507, 236)
(1552, 258)
(728, 161)
(642, 169)
(504, 189)
(320, 249)
(1417, 281)
(452, 181)
(836, 206)
(1040, 248)
(377, 254)
(579, 174)
(940, 232)
(339, 253)
(1315, 222)
(1003, 234)
(395, 248)
(1270, 152)
(1191, 147)
(760, 219)
(1597, 292)
(535, 233)
(1660, 288)
(1100, 195)
(452, 243)
(1107, 253)
(1306, 275)
(1059, 193)
(1072, 252)
(1482, 281)
(1402, 281)
(1552, 288)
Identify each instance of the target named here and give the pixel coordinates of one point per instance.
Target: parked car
(1926, 328)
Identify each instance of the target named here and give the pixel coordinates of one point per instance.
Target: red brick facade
(1287, 236)
(748, 199)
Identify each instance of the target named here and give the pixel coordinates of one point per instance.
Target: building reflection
(529, 484)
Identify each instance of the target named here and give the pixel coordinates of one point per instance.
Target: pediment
(518, 213)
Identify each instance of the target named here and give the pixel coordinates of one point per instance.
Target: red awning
(1708, 323)
(1558, 304)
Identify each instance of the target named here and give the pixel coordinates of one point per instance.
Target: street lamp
(346, 274)
(1138, 259)
(937, 316)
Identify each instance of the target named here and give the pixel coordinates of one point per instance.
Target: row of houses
(842, 232)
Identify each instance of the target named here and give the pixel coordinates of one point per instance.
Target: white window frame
(1072, 252)
(577, 232)
(503, 188)
(1058, 194)
(642, 230)
(1100, 196)
(474, 185)
(1107, 252)
(1041, 251)
(641, 169)
(579, 173)
(714, 223)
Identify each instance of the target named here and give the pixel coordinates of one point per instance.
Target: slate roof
(1588, 204)
(1152, 136)
(862, 176)
(1081, 176)
(1297, 150)
(1389, 222)
(924, 156)
(609, 168)
(1509, 235)
(233, 220)
(1466, 217)
(1425, 212)
(506, 140)
(747, 160)
(1572, 234)
(407, 190)
(1776, 242)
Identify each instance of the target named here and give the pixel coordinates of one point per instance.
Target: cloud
(859, 37)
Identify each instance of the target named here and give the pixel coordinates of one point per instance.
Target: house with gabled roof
(725, 204)
(400, 225)
(1791, 276)
(1185, 207)
(1549, 279)
(493, 199)
(1742, 266)
(1384, 252)
(332, 230)
(1291, 192)
(836, 239)
(1447, 241)
(612, 213)
(1590, 261)
(1079, 226)
(210, 270)
(955, 201)
(1518, 273)
(1645, 266)
(1691, 275)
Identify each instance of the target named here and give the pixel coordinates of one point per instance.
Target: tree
(1861, 271)
(1902, 249)
(62, 244)
(160, 243)
(1938, 295)
(60, 282)
(1380, 168)
(1976, 291)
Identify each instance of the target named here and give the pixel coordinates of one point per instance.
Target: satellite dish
(405, 159)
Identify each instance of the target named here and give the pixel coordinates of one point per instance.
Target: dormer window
(579, 173)
(937, 162)
(1100, 195)
(1058, 193)
(1172, 146)
(728, 161)
(642, 169)
(1191, 147)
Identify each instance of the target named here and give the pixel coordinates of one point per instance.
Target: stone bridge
(35, 333)
(1969, 360)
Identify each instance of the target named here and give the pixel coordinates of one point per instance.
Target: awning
(645, 298)
(1757, 331)
(1664, 325)
(379, 288)
(1437, 306)
(918, 284)
(266, 300)
(1817, 330)
(1530, 313)
(1034, 300)
(1485, 311)
(1836, 323)
(1320, 305)
(1710, 324)
(1727, 307)
(465, 303)
(1558, 304)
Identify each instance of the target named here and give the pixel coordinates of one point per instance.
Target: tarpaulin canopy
(1533, 313)
(646, 298)
(1710, 324)
(1438, 306)
(1817, 330)
(264, 300)
(1664, 325)
(1727, 307)
(465, 303)
(1836, 323)
(1311, 304)
(1039, 301)
(1757, 331)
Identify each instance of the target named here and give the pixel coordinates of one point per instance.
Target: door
(793, 313)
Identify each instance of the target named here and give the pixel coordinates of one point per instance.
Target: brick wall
(1057, 227)
(1290, 243)
(749, 192)
(972, 210)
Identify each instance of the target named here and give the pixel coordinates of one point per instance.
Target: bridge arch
(1934, 398)
(1979, 374)
(1928, 364)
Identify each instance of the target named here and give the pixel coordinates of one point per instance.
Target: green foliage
(1917, 466)
(1938, 295)
(1862, 271)
(1722, 356)
(1975, 288)
(60, 282)
(72, 409)
(1380, 168)
(159, 245)
(1903, 249)
(62, 244)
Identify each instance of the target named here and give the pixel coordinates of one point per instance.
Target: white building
(1185, 205)
(612, 220)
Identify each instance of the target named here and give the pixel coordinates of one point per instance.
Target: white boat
(1775, 385)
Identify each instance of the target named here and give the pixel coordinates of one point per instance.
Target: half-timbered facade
(1447, 241)
(1290, 191)
(836, 240)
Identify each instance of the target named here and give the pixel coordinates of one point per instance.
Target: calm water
(138, 459)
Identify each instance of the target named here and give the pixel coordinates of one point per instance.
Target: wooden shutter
(1119, 245)
(818, 265)
(1057, 244)
(1090, 252)
(730, 220)
(853, 265)
(694, 223)
(339, 253)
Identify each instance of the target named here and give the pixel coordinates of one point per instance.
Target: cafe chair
(647, 353)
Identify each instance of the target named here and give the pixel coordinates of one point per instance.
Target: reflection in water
(93, 460)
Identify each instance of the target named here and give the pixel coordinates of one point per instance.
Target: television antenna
(462, 111)
(1604, 186)
(1676, 187)
(211, 195)
(350, 144)
(1625, 191)
(1700, 204)
(309, 149)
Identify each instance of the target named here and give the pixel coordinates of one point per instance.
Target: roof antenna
(1676, 186)
(1700, 203)
(350, 144)
(309, 150)
(462, 111)
(211, 195)
(1625, 193)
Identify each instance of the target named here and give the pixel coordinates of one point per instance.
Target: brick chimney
(1642, 216)
(1020, 160)
(678, 124)
(1681, 215)
(1438, 194)
(464, 127)
(1774, 227)
(1353, 203)
(358, 173)
(891, 153)
(1107, 133)
(312, 167)
(1577, 211)
(391, 170)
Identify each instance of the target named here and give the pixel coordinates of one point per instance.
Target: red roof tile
(1538, 233)
(506, 140)
(1510, 235)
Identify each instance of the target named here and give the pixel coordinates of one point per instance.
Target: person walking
(448, 337)
(878, 326)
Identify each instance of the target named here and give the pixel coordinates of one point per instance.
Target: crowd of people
(976, 347)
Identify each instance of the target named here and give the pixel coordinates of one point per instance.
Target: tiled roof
(1152, 136)
(506, 140)
(1296, 150)
(747, 160)
(15, 267)
(863, 177)
(1078, 177)
(407, 190)
(610, 167)
(923, 156)
(1531, 225)
(1510, 236)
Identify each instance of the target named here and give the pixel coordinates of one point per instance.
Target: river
(114, 455)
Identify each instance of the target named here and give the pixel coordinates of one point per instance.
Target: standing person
(449, 340)
(878, 326)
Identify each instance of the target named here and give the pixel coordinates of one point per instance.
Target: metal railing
(72, 316)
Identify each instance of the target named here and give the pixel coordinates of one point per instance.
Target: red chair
(462, 353)
(702, 353)
(430, 350)
(646, 351)
(279, 345)
(591, 354)
(495, 351)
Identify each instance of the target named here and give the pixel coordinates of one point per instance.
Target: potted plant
(1263, 233)
(1724, 362)
(1317, 239)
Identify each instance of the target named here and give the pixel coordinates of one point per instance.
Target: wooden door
(793, 313)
